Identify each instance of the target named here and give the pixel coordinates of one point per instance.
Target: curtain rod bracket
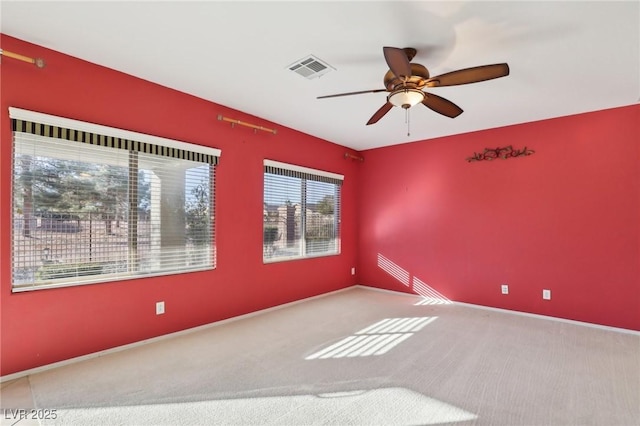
(353, 157)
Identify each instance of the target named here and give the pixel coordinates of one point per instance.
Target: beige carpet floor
(355, 357)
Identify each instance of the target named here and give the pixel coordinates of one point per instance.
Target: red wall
(46, 326)
(565, 218)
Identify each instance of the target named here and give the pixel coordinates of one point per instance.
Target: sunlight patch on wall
(377, 339)
(393, 269)
(429, 294)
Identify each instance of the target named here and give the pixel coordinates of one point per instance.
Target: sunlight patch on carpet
(375, 406)
(376, 339)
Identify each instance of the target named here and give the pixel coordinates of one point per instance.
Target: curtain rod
(242, 123)
(38, 62)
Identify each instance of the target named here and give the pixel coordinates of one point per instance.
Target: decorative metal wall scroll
(502, 153)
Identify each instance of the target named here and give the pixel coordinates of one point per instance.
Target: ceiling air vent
(310, 67)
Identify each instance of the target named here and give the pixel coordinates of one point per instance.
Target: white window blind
(301, 215)
(91, 207)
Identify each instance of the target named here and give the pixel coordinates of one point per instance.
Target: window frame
(40, 123)
(304, 173)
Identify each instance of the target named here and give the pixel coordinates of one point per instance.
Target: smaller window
(301, 212)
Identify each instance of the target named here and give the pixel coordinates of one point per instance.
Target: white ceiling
(565, 57)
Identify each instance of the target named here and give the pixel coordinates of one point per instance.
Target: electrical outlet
(505, 289)
(159, 308)
(353, 271)
(546, 294)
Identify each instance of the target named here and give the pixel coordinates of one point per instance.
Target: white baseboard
(24, 373)
(508, 311)
(550, 318)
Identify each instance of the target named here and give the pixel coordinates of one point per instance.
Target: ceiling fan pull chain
(408, 121)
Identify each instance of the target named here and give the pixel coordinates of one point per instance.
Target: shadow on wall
(430, 296)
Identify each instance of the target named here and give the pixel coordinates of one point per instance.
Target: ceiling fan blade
(380, 113)
(352, 93)
(397, 61)
(441, 105)
(469, 75)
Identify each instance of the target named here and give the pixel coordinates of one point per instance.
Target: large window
(301, 212)
(93, 204)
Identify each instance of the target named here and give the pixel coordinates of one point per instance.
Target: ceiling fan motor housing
(418, 79)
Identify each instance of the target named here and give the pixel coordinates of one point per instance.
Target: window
(93, 203)
(301, 212)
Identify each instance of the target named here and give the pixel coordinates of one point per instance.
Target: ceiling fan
(405, 80)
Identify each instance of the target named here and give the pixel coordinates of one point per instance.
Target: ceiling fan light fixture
(406, 98)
